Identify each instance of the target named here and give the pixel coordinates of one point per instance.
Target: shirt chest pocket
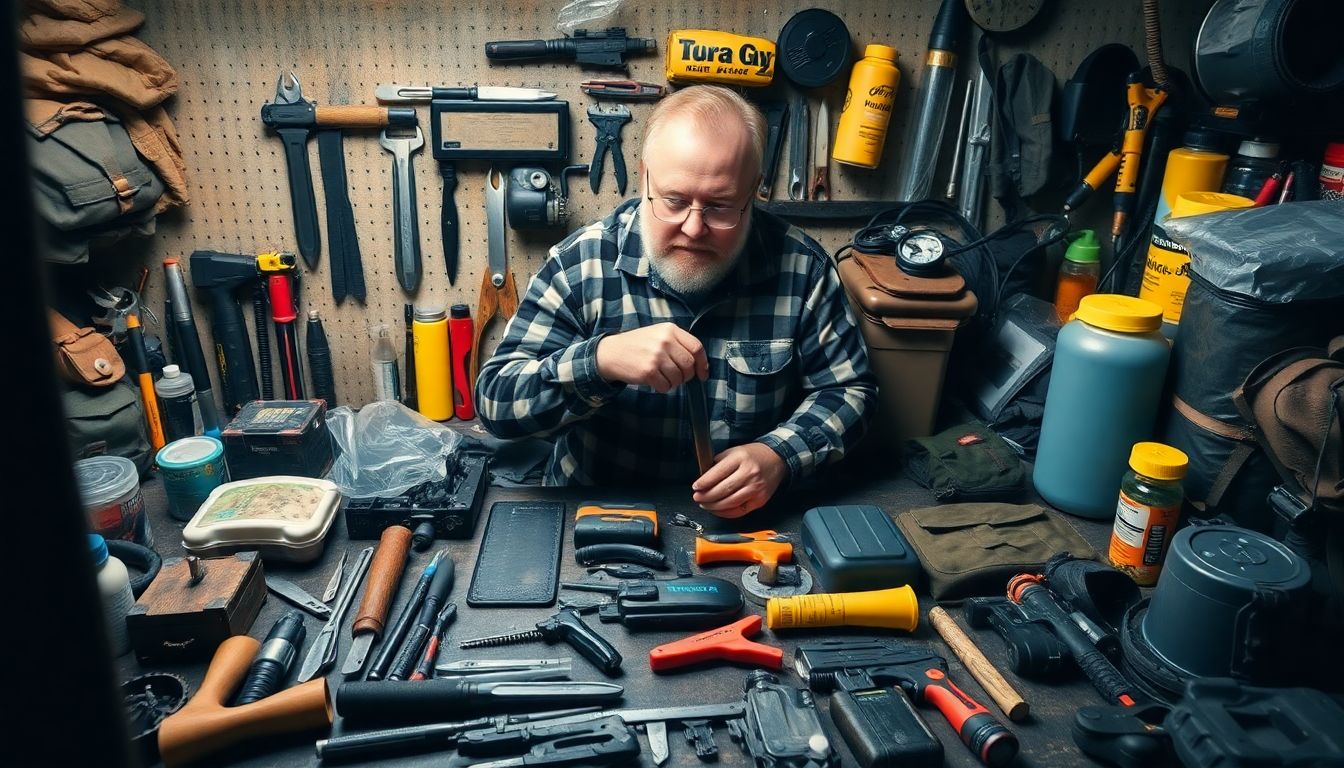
(759, 381)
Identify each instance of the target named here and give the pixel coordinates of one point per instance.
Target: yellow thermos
(863, 121)
(433, 376)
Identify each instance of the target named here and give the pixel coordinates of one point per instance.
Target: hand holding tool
(139, 361)
(499, 295)
(384, 577)
(767, 548)
(402, 625)
(728, 643)
(204, 725)
(698, 406)
(597, 49)
(862, 670)
(442, 698)
(1003, 694)
(268, 670)
(405, 214)
(564, 625)
(415, 94)
(440, 585)
(295, 595)
(622, 90)
(322, 655)
(422, 738)
(820, 188)
(685, 603)
(425, 668)
(608, 123)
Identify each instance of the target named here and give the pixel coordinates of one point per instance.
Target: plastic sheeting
(1275, 254)
(386, 449)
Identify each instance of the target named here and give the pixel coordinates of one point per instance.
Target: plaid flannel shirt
(787, 364)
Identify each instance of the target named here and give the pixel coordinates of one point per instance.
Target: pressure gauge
(1003, 15)
(921, 254)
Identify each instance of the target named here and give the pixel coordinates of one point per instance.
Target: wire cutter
(499, 294)
(608, 123)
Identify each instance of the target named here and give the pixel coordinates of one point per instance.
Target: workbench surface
(1044, 737)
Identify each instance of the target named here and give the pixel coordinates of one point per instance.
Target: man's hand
(662, 356)
(742, 479)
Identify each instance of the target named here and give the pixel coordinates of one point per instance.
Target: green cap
(1084, 249)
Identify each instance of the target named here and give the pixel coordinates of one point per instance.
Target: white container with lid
(281, 517)
(109, 486)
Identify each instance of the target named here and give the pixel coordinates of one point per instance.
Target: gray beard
(682, 274)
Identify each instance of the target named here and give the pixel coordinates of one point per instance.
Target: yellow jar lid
(1123, 314)
(879, 51)
(1196, 203)
(1158, 461)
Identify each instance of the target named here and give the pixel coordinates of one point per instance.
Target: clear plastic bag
(386, 449)
(586, 14)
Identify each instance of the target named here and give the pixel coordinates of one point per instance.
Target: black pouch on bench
(519, 559)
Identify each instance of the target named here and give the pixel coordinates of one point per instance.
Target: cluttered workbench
(1043, 735)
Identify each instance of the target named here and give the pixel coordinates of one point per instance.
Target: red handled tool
(460, 333)
(727, 643)
(279, 271)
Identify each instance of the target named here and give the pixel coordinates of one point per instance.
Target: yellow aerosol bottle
(433, 376)
(863, 121)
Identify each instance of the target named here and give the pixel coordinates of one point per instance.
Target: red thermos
(460, 334)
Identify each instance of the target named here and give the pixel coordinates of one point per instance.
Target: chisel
(384, 576)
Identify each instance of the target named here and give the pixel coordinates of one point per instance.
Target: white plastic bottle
(114, 584)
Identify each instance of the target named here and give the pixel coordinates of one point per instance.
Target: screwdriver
(388, 652)
(439, 587)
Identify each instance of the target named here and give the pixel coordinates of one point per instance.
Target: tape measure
(615, 523)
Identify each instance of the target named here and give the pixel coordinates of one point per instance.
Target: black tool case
(857, 547)
(451, 504)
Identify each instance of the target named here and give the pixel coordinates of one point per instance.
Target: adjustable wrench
(404, 211)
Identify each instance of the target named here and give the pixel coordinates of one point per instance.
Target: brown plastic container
(908, 324)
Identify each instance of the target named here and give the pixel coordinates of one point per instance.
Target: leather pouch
(84, 356)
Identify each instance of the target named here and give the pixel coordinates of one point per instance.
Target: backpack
(107, 421)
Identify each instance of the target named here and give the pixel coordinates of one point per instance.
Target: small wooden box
(175, 620)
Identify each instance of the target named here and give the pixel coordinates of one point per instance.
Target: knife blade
(322, 655)
(657, 733)
(329, 593)
(384, 578)
(295, 595)
(413, 94)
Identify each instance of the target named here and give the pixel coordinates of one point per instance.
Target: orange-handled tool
(146, 379)
(767, 548)
(727, 643)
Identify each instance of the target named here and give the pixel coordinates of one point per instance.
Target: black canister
(1229, 603)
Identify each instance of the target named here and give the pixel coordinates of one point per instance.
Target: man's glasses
(675, 210)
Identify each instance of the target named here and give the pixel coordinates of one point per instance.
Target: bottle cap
(429, 314)
(877, 51)
(171, 371)
(1084, 249)
(460, 311)
(1261, 149)
(97, 548)
(1196, 203)
(1122, 314)
(1158, 461)
(1202, 139)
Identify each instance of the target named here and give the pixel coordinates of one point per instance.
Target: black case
(452, 504)
(857, 547)
(278, 437)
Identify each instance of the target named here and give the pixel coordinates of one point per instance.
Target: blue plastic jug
(1105, 386)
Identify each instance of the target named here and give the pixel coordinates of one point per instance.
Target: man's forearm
(519, 395)
(824, 427)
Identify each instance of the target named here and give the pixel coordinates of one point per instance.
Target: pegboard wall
(229, 54)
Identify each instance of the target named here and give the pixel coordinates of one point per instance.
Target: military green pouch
(970, 550)
(969, 462)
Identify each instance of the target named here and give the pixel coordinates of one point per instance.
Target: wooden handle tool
(1003, 694)
(384, 577)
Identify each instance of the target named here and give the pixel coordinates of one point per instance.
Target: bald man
(686, 283)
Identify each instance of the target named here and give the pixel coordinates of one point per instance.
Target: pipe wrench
(499, 295)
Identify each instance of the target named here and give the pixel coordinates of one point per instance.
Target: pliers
(608, 123)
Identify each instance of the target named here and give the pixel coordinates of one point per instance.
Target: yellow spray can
(1166, 273)
(711, 56)
(867, 111)
(433, 377)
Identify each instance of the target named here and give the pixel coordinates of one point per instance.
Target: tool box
(282, 518)
(857, 547)
(452, 504)
(179, 619)
(908, 325)
(278, 437)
